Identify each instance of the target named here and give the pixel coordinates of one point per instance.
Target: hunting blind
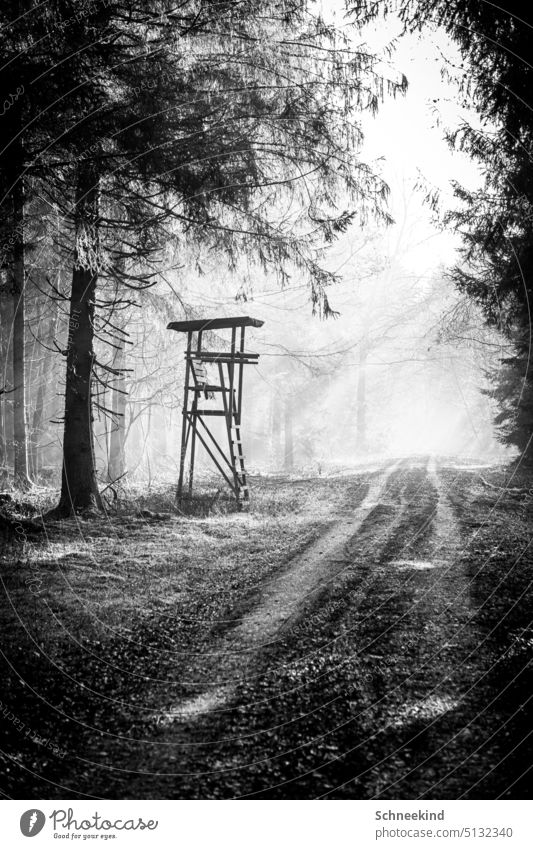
(223, 389)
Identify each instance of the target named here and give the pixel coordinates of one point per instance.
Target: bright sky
(409, 135)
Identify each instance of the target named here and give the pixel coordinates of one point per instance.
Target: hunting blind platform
(225, 396)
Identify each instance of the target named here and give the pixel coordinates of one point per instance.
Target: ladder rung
(207, 387)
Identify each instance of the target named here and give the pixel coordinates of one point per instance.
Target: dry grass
(148, 557)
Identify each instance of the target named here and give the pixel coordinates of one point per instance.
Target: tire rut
(283, 601)
(416, 629)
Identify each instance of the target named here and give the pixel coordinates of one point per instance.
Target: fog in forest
(403, 367)
(400, 368)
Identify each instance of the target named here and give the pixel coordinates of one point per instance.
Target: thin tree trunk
(163, 449)
(117, 439)
(20, 437)
(46, 384)
(289, 435)
(79, 489)
(35, 415)
(147, 445)
(360, 415)
(5, 322)
(276, 423)
(37, 422)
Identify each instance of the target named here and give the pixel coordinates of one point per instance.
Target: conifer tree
(231, 124)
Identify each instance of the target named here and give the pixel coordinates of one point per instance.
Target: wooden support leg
(246, 493)
(194, 417)
(185, 424)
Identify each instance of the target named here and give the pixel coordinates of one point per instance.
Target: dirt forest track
(383, 652)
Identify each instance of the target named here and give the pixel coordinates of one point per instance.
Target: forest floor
(366, 635)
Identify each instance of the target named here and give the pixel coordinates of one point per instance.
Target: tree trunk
(6, 441)
(162, 458)
(289, 435)
(79, 489)
(276, 424)
(46, 382)
(360, 414)
(20, 437)
(117, 440)
(37, 421)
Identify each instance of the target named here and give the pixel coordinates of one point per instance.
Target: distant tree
(496, 274)
(496, 223)
(14, 111)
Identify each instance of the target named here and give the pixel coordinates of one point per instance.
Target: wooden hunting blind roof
(214, 323)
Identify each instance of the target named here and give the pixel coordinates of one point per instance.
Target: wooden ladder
(237, 456)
